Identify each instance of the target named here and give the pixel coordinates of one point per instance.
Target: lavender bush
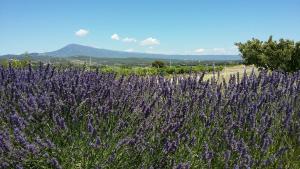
(78, 119)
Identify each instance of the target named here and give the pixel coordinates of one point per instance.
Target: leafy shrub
(170, 70)
(158, 64)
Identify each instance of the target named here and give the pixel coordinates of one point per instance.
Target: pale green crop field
(231, 70)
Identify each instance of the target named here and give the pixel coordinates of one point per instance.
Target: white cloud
(129, 40)
(81, 32)
(200, 50)
(150, 42)
(115, 37)
(220, 50)
(216, 51)
(129, 50)
(225, 51)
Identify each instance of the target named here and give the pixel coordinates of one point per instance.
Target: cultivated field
(79, 119)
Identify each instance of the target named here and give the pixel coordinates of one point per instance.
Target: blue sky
(157, 26)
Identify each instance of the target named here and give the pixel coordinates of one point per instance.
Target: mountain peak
(74, 49)
(74, 45)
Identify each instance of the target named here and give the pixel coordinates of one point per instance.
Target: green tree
(158, 64)
(271, 54)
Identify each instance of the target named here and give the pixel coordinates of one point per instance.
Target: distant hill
(81, 50)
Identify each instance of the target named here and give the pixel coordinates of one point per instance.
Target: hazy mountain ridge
(81, 50)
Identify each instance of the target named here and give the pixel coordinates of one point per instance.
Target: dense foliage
(80, 119)
(124, 69)
(168, 70)
(98, 61)
(15, 62)
(283, 55)
(158, 64)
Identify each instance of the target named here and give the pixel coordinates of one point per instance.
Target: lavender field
(51, 118)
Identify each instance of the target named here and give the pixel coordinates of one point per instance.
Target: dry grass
(227, 71)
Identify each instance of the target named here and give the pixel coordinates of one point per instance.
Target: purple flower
(207, 155)
(267, 141)
(91, 128)
(98, 142)
(236, 166)
(5, 142)
(287, 118)
(281, 151)
(31, 148)
(60, 121)
(20, 138)
(49, 144)
(192, 141)
(112, 157)
(170, 146)
(55, 163)
(17, 121)
(4, 165)
(182, 166)
(19, 166)
(227, 155)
